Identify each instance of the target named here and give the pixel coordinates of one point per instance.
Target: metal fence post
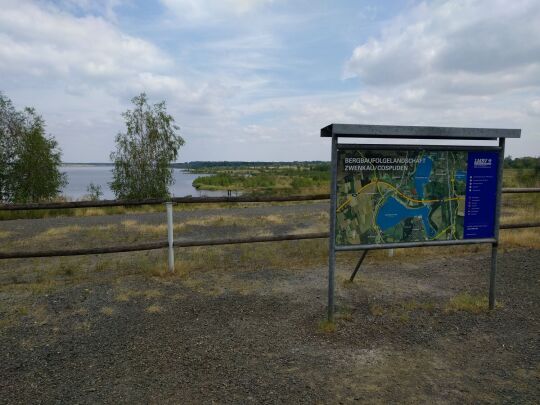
(492, 275)
(332, 237)
(494, 246)
(170, 235)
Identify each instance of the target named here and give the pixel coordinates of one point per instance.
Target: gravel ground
(254, 335)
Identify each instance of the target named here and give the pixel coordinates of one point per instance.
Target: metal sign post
(495, 245)
(390, 195)
(331, 239)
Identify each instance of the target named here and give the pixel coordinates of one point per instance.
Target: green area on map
(392, 196)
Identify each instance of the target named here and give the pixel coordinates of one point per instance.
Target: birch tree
(145, 151)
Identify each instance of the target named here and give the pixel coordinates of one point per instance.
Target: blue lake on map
(421, 176)
(392, 212)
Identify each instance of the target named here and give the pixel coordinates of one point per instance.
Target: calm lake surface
(79, 177)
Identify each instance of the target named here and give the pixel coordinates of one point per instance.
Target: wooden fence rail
(184, 243)
(179, 200)
(158, 245)
(191, 200)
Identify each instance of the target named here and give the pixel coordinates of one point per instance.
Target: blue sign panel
(481, 195)
(413, 195)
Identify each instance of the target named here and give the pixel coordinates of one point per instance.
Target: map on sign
(392, 196)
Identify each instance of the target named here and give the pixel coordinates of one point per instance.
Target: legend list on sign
(481, 195)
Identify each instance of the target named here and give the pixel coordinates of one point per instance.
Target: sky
(257, 79)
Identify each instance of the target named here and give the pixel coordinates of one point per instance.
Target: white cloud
(81, 71)
(442, 63)
(210, 10)
(99, 7)
(46, 42)
(460, 46)
(454, 63)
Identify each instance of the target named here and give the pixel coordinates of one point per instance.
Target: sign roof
(417, 132)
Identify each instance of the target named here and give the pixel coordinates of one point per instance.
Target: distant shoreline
(201, 164)
(87, 164)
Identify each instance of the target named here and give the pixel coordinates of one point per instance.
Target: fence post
(170, 235)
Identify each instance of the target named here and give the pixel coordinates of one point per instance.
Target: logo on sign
(482, 163)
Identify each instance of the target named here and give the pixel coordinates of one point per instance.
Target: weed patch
(154, 309)
(327, 326)
(107, 311)
(376, 310)
(465, 302)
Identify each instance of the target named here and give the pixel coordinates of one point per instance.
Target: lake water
(422, 174)
(79, 177)
(392, 212)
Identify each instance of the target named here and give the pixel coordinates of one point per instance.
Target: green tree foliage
(219, 179)
(527, 170)
(526, 162)
(30, 160)
(94, 192)
(11, 127)
(145, 151)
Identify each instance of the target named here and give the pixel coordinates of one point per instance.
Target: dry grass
(418, 306)
(466, 302)
(69, 232)
(376, 310)
(107, 311)
(83, 326)
(327, 326)
(154, 309)
(142, 209)
(127, 295)
(138, 230)
(58, 232)
(217, 270)
(520, 238)
(150, 294)
(5, 234)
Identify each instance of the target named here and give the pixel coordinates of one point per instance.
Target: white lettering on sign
(482, 163)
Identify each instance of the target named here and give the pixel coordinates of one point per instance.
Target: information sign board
(388, 195)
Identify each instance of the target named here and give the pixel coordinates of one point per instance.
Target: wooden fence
(183, 243)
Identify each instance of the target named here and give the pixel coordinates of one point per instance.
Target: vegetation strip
(158, 245)
(191, 200)
(183, 200)
(183, 243)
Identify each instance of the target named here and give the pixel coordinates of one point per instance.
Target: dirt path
(251, 335)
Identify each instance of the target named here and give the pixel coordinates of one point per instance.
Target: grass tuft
(327, 326)
(466, 302)
(376, 310)
(344, 314)
(154, 309)
(149, 294)
(107, 311)
(5, 234)
(415, 305)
